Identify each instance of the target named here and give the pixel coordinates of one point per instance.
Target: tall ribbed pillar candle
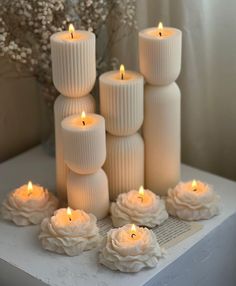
(160, 64)
(121, 104)
(74, 74)
(84, 143)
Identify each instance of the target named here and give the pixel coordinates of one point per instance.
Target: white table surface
(204, 259)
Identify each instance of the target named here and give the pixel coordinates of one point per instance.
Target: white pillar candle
(121, 101)
(84, 142)
(124, 164)
(63, 107)
(89, 192)
(161, 130)
(160, 54)
(73, 62)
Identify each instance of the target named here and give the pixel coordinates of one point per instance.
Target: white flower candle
(161, 131)
(28, 204)
(84, 141)
(193, 200)
(141, 207)
(130, 249)
(124, 164)
(89, 192)
(69, 231)
(64, 107)
(160, 54)
(121, 101)
(73, 62)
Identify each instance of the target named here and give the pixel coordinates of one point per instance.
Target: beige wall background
(207, 82)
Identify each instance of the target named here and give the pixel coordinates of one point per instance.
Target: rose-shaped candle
(69, 231)
(130, 249)
(192, 201)
(142, 207)
(29, 204)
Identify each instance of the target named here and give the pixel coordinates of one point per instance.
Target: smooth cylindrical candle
(63, 107)
(160, 54)
(121, 101)
(89, 193)
(84, 142)
(73, 62)
(124, 164)
(161, 131)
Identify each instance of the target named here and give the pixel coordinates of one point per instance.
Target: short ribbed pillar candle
(63, 107)
(160, 63)
(84, 142)
(89, 192)
(73, 62)
(161, 131)
(124, 165)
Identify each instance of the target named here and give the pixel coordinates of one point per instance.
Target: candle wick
(72, 36)
(122, 76)
(83, 122)
(69, 219)
(141, 198)
(160, 34)
(194, 190)
(133, 235)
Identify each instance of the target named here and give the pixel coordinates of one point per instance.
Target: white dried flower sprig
(26, 27)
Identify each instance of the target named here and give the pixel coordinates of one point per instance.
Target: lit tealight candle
(130, 249)
(29, 204)
(69, 231)
(193, 200)
(141, 207)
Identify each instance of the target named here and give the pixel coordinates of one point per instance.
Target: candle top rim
(130, 76)
(86, 36)
(68, 123)
(145, 33)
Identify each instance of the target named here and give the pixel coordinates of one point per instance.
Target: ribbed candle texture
(121, 102)
(73, 63)
(89, 193)
(84, 145)
(161, 131)
(63, 107)
(124, 165)
(160, 57)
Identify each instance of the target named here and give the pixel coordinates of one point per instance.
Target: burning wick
(122, 72)
(160, 28)
(194, 185)
(29, 188)
(71, 30)
(83, 116)
(68, 211)
(141, 193)
(133, 230)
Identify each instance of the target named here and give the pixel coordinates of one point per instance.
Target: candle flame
(141, 191)
(133, 228)
(30, 188)
(194, 184)
(83, 116)
(122, 71)
(160, 28)
(71, 30)
(69, 213)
